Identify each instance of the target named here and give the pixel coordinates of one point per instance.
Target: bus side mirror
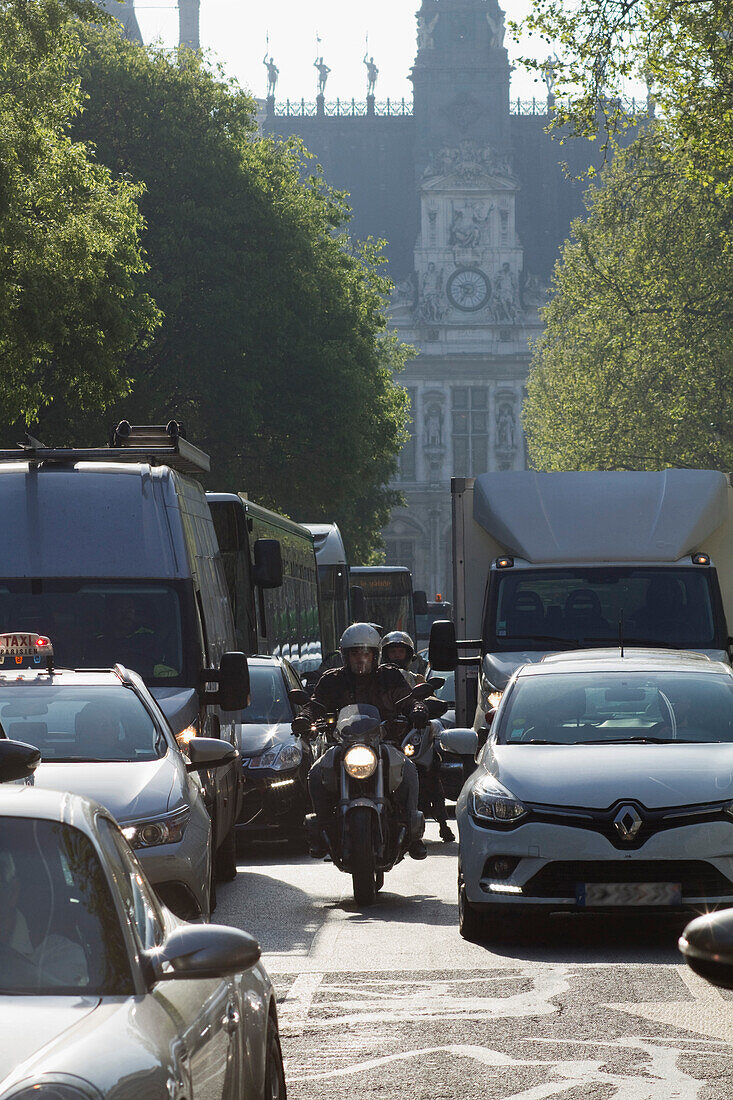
(358, 603)
(233, 692)
(443, 651)
(268, 564)
(420, 602)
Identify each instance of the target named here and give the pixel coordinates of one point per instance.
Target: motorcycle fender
(353, 802)
(395, 767)
(331, 771)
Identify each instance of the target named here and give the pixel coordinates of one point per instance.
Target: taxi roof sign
(17, 646)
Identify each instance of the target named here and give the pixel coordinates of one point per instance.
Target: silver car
(102, 735)
(103, 992)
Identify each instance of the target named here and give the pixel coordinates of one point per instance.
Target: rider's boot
(417, 849)
(446, 833)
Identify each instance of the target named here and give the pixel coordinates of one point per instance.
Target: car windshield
(269, 703)
(448, 691)
(601, 707)
(567, 608)
(79, 723)
(59, 930)
(97, 625)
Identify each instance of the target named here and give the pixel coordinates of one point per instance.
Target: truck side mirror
(267, 571)
(443, 651)
(358, 603)
(420, 602)
(233, 693)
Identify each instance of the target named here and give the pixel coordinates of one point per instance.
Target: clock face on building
(468, 289)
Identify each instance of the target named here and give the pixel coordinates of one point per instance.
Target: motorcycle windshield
(358, 722)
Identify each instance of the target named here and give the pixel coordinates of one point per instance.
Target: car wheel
(275, 1088)
(471, 922)
(226, 857)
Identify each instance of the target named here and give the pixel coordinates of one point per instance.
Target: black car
(275, 763)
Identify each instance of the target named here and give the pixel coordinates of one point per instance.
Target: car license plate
(629, 893)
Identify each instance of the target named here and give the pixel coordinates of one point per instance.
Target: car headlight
(280, 757)
(157, 830)
(490, 801)
(64, 1087)
(360, 761)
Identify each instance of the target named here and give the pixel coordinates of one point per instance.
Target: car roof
(632, 660)
(20, 800)
(62, 677)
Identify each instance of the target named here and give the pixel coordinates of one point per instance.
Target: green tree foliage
(635, 367)
(70, 308)
(684, 50)
(273, 349)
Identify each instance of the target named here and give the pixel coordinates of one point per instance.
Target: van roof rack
(158, 444)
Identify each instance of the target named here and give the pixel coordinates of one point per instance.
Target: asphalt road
(392, 1002)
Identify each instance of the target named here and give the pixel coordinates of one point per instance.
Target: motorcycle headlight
(158, 830)
(360, 761)
(490, 801)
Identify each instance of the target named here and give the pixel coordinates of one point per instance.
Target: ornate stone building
(469, 193)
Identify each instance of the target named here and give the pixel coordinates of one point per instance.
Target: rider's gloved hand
(419, 716)
(301, 726)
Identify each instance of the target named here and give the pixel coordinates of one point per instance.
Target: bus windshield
(98, 624)
(568, 608)
(387, 598)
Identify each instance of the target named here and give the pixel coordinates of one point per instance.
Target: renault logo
(627, 822)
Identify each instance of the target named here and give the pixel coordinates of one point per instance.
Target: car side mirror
(443, 650)
(209, 752)
(18, 761)
(202, 951)
(707, 944)
(298, 697)
(267, 570)
(420, 602)
(462, 742)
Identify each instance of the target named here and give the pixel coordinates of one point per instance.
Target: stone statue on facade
(372, 74)
(550, 77)
(497, 27)
(323, 71)
(425, 28)
(506, 295)
(404, 292)
(272, 74)
(462, 233)
(506, 428)
(468, 162)
(429, 307)
(434, 427)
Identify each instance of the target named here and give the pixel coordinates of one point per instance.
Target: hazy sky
(236, 32)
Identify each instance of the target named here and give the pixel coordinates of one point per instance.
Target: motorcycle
(370, 833)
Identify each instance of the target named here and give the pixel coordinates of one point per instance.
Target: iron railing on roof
(402, 108)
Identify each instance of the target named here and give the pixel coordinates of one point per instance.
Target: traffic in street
(394, 1002)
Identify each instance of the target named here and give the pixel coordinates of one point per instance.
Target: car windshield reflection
(59, 931)
(604, 708)
(80, 723)
(269, 703)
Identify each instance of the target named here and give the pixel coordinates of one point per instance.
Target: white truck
(546, 562)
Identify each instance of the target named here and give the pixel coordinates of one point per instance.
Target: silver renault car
(102, 734)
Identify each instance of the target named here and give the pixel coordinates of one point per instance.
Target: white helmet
(360, 636)
(397, 637)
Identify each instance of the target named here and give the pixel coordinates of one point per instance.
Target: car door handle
(230, 1022)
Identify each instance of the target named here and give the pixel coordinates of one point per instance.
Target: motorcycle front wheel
(363, 870)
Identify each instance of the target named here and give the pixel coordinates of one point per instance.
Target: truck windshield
(569, 608)
(98, 624)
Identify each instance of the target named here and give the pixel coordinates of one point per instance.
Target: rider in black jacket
(363, 680)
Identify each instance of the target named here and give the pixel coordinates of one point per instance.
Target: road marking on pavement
(707, 1014)
(294, 1010)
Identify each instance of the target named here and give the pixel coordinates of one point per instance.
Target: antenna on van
(621, 631)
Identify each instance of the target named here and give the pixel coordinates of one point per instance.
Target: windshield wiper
(540, 741)
(571, 642)
(639, 741)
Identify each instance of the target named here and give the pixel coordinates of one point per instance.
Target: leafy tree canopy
(635, 367)
(273, 350)
(684, 50)
(70, 306)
